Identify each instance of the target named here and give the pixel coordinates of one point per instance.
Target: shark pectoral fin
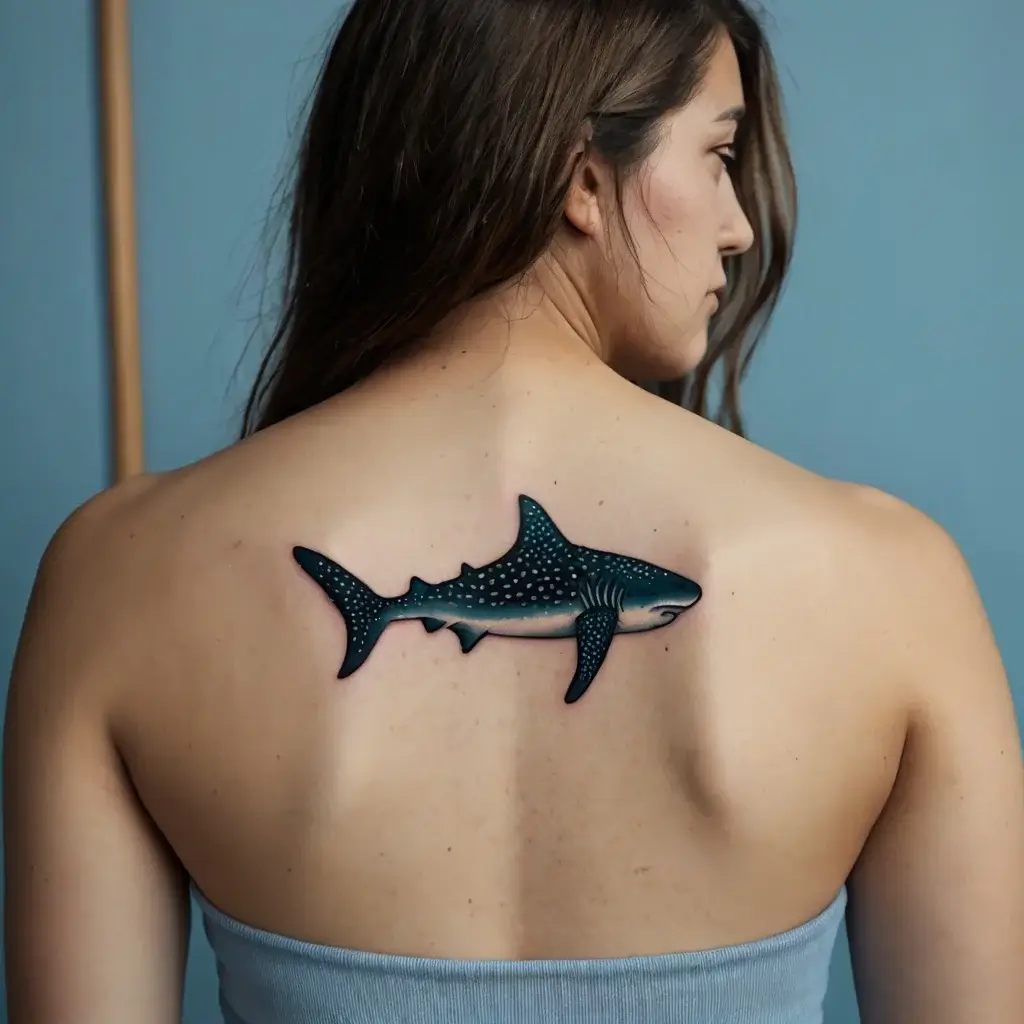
(594, 631)
(432, 625)
(469, 636)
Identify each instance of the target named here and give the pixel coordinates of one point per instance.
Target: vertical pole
(122, 256)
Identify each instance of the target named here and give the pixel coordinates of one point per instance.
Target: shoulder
(92, 542)
(878, 557)
(148, 562)
(913, 565)
(870, 575)
(943, 859)
(920, 557)
(77, 634)
(82, 575)
(864, 521)
(148, 527)
(920, 602)
(945, 639)
(105, 576)
(84, 861)
(97, 542)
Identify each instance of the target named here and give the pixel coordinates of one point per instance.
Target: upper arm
(936, 916)
(96, 907)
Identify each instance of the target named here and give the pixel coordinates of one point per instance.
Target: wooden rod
(122, 256)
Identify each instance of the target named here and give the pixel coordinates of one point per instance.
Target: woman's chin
(680, 360)
(664, 360)
(694, 351)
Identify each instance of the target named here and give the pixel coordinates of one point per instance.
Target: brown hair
(435, 166)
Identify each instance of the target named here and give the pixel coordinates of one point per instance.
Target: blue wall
(896, 358)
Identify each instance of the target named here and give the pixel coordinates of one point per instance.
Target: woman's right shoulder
(919, 556)
(865, 520)
(910, 579)
(937, 890)
(868, 551)
(762, 486)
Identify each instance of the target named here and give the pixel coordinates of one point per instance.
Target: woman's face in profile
(684, 217)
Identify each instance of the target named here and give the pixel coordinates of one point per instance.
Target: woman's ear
(590, 181)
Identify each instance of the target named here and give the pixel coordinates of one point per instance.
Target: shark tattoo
(545, 587)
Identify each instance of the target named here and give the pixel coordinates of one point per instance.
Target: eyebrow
(733, 114)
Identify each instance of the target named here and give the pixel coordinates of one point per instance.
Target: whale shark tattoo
(545, 587)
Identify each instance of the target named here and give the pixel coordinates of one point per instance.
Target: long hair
(436, 162)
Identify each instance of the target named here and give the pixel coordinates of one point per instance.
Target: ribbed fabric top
(270, 979)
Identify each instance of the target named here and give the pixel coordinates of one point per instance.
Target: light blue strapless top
(270, 979)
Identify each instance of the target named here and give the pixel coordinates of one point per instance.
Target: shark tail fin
(363, 610)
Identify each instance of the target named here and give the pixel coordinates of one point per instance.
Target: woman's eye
(728, 156)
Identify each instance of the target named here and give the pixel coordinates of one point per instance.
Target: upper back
(714, 785)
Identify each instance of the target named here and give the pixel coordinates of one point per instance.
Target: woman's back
(823, 709)
(714, 785)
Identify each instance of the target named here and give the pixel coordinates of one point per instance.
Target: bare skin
(834, 709)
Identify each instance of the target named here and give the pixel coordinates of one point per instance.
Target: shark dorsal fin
(538, 534)
(417, 588)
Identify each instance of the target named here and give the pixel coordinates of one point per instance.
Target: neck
(545, 317)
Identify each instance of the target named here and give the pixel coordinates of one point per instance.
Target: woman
(760, 693)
